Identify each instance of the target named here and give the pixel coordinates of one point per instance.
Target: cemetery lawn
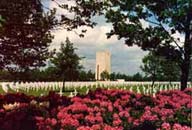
(84, 90)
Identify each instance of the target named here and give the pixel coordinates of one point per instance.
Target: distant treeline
(45, 75)
(50, 75)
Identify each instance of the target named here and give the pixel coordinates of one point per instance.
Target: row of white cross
(47, 86)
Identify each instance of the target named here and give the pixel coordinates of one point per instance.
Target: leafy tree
(151, 67)
(165, 19)
(90, 75)
(137, 77)
(47, 74)
(170, 70)
(86, 76)
(83, 11)
(120, 76)
(83, 76)
(159, 68)
(24, 36)
(113, 76)
(66, 62)
(105, 75)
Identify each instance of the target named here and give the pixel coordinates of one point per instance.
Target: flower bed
(103, 110)
(18, 111)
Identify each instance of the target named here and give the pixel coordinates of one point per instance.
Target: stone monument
(103, 63)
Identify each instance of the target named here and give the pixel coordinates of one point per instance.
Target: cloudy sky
(124, 59)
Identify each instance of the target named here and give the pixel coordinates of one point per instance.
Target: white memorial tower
(103, 63)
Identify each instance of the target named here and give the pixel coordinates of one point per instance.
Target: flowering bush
(54, 100)
(19, 111)
(119, 109)
(98, 110)
(11, 98)
(21, 118)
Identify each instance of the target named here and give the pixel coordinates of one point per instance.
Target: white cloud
(179, 36)
(96, 36)
(61, 11)
(144, 23)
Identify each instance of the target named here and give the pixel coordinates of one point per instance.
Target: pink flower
(116, 122)
(115, 116)
(69, 122)
(108, 127)
(84, 128)
(177, 127)
(110, 108)
(129, 119)
(185, 128)
(99, 119)
(96, 127)
(136, 122)
(123, 114)
(53, 122)
(166, 126)
(39, 118)
(90, 118)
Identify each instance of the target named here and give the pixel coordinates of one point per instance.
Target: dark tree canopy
(165, 18)
(25, 32)
(25, 35)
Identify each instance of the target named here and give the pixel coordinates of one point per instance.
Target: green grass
(1, 90)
